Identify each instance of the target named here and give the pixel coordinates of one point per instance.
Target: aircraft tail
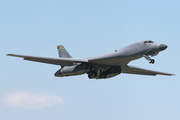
(63, 52)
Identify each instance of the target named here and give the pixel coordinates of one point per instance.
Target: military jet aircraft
(105, 66)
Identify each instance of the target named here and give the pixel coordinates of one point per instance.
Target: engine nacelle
(77, 69)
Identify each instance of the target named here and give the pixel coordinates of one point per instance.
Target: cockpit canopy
(148, 41)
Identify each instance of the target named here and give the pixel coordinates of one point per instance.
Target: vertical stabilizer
(63, 52)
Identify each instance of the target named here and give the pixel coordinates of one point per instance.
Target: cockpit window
(145, 41)
(150, 42)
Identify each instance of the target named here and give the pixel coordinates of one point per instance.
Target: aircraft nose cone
(162, 47)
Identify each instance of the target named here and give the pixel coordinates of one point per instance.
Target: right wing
(51, 60)
(141, 71)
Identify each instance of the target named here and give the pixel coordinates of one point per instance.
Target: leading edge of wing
(141, 71)
(51, 60)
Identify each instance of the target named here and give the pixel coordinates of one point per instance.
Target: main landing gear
(99, 74)
(152, 61)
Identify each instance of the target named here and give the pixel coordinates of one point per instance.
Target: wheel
(152, 61)
(104, 76)
(100, 75)
(89, 75)
(94, 74)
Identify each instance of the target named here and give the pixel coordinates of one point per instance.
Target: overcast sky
(29, 90)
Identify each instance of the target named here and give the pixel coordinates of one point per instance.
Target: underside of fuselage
(97, 69)
(93, 71)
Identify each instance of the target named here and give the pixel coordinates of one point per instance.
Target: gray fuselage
(118, 58)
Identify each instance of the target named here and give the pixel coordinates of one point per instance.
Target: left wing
(51, 60)
(141, 71)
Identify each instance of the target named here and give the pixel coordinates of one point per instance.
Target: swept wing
(141, 71)
(51, 60)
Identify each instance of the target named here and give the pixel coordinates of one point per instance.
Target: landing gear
(99, 74)
(92, 74)
(104, 76)
(152, 61)
(103, 72)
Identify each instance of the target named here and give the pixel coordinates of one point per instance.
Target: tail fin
(63, 52)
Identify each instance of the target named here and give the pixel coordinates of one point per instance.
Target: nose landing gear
(152, 61)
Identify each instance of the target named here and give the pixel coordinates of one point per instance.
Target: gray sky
(29, 90)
